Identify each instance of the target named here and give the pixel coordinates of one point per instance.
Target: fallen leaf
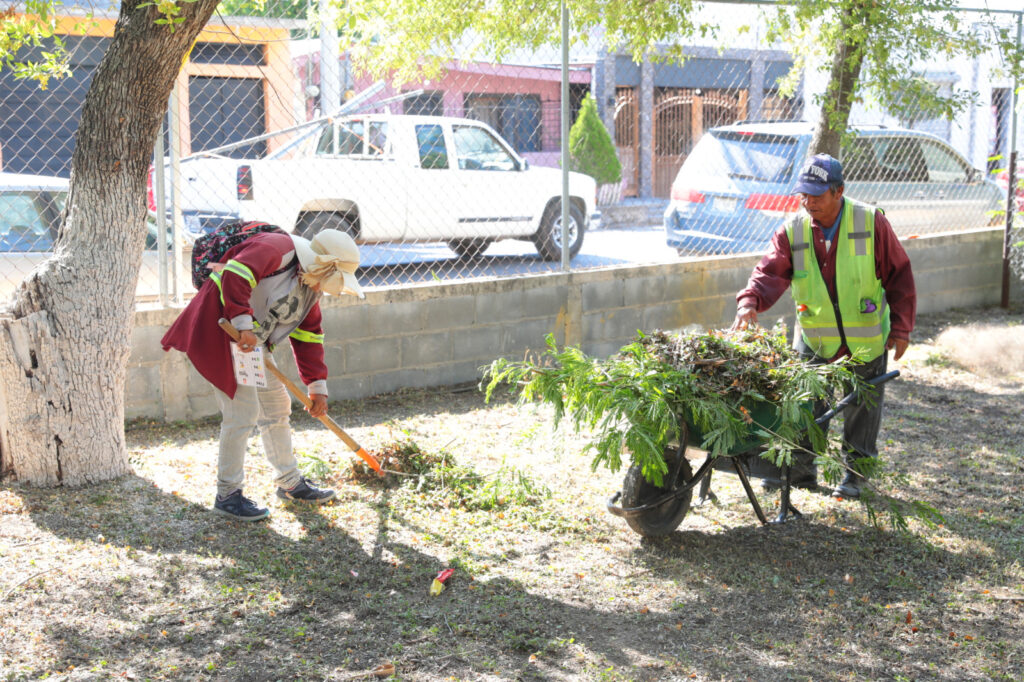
(910, 617)
(385, 670)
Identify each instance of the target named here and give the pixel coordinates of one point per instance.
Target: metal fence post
(160, 199)
(177, 221)
(565, 140)
(1011, 185)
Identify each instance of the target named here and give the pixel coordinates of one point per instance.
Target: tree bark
(65, 335)
(847, 61)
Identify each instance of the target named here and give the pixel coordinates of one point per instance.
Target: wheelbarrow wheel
(666, 517)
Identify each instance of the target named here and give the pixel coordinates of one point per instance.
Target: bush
(591, 149)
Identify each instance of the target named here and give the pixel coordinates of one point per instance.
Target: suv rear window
(744, 156)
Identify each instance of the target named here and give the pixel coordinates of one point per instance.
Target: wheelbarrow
(653, 511)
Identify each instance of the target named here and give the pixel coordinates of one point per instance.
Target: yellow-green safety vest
(860, 314)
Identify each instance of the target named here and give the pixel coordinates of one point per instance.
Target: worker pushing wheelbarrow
(654, 510)
(744, 397)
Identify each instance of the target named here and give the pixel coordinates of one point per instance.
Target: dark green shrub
(591, 149)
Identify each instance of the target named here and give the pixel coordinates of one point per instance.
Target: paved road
(404, 263)
(389, 264)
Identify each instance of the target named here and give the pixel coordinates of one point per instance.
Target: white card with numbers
(249, 367)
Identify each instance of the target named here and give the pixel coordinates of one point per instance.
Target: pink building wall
(477, 78)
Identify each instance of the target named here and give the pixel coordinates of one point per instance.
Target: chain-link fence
(459, 176)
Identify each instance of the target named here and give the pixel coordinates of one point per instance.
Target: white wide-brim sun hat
(330, 258)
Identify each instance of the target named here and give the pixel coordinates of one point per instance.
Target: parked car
(735, 188)
(396, 179)
(30, 207)
(196, 223)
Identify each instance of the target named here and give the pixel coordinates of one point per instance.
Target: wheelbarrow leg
(750, 491)
(785, 506)
(705, 494)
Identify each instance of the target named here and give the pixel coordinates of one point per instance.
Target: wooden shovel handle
(304, 399)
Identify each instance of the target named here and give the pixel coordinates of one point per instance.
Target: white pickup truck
(391, 178)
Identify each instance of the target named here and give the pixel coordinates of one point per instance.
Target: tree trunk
(842, 86)
(65, 335)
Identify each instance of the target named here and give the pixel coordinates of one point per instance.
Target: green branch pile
(734, 390)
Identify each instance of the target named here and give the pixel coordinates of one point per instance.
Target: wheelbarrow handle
(850, 397)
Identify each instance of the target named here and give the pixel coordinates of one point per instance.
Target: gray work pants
(268, 408)
(860, 420)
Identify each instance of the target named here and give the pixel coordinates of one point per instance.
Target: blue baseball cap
(819, 171)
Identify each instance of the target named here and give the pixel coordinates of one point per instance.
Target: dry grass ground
(136, 579)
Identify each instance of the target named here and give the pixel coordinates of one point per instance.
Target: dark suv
(735, 188)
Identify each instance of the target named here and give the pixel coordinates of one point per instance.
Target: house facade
(236, 83)
(658, 109)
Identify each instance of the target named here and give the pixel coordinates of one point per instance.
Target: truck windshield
(478, 150)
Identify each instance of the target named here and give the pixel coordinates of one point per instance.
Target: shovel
(301, 395)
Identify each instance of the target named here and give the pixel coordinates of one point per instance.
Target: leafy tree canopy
(889, 43)
(413, 38)
(892, 39)
(33, 28)
(275, 9)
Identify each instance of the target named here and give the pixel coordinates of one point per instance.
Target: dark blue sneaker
(239, 507)
(304, 492)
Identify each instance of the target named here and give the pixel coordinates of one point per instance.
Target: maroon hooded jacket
(197, 333)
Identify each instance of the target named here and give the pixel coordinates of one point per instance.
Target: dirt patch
(990, 350)
(136, 579)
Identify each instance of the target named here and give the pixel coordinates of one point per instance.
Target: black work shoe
(304, 492)
(239, 507)
(849, 489)
(805, 481)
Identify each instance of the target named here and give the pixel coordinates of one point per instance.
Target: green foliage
(34, 28)
(718, 383)
(452, 484)
(591, 149)
(412, 39)
(886, 45)
(276, 9)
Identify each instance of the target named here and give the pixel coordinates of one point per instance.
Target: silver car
(30, 208)
(736, 186)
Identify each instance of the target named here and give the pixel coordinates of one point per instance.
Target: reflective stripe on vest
(863, 314)
(308, 337)
(237, 268)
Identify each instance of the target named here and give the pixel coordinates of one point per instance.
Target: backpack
(210, 248)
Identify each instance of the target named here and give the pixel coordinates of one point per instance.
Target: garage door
(226, 110)
(37, 127)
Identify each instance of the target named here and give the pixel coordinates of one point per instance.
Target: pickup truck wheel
(311, 224)
(548, 239)
(469, 248)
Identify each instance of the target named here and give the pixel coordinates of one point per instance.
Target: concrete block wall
(441, 334)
